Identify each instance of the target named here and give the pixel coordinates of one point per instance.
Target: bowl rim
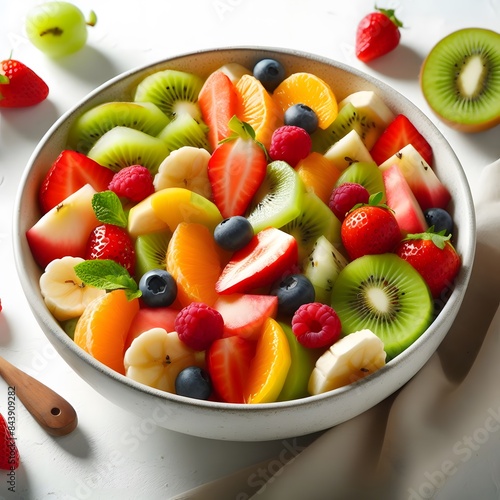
(58, 336)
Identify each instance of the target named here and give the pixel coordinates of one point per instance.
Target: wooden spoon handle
(49, 409)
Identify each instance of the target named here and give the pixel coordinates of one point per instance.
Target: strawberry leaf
(107, 275)
(391, 14)
(438, 238)
(108, 209)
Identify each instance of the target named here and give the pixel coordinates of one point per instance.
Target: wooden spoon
(49, 409)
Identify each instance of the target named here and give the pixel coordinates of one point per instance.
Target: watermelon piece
(400, 198)
(69, 172)
(396, 136)
(64, 229)
(429, 191)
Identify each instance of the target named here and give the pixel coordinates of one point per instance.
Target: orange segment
(194, 261)
(102, 328)
(257, 108)
(318, 174)
(308, 89)
(270, 365)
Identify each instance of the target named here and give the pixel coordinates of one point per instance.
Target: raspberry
(134, 183)
(345, 196)
(316, 325)
(290, 144)
(198, 325)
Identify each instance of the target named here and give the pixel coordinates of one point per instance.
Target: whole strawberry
(434, 257)
(377, 34)
(20, 86)
(9, 454)
(108, 241)
(370, 229)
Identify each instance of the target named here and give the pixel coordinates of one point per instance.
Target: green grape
(57, 28)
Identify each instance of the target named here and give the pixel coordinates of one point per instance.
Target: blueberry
(193, 382)
(233, 233)
(303, 116)
(158, 288)
(270, 73)
(440, 219)
(292, 292)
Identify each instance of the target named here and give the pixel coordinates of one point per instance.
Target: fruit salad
(244, 237)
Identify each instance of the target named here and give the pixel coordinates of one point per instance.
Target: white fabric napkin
(424, 441)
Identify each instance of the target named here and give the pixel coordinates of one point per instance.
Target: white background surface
(114, 454)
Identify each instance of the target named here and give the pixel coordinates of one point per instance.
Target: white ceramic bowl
(231, 421)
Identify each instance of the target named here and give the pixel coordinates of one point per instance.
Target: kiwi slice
(365, 173)
(185, 130)
(349, 118)
(124, 146)
(150, 251)
(460, 79)
(174, 92)
(315, 219)
(386, 295)
(278, 199)
(94, 123)
(322, 267)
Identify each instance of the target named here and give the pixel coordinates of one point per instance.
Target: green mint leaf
(107, 275)
(108, 209)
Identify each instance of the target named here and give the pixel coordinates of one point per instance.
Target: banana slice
(350, 359)
(156, 357)
(185, 167)
(65, 295)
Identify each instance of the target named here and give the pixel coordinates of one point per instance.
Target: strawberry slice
(228, 364)
(401, 199)
(218, 102)
(69, 172)
(396, 136)
(244, 314)
(65, 229)
(268, 256)
(236, 169)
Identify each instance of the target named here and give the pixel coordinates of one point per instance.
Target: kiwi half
(278, 199)
(174, 92)
(124, 146)
(315, 219)
(460, 79)
(151, 251)
(386, 295)
(94, 123)
(349, 118)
